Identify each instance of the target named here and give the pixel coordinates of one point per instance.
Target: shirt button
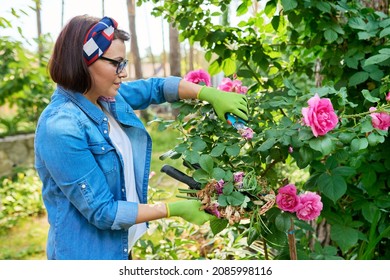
(125, 250)
(83, 186)
(123, 190)
(105, 131)
(103, 148)
(105, 119)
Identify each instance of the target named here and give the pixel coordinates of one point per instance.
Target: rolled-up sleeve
(171, 89)
(123, 219)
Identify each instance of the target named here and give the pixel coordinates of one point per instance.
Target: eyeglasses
(120, 65)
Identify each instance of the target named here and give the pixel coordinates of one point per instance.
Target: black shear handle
(180, 176)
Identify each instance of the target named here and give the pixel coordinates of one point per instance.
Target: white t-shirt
(123, 146)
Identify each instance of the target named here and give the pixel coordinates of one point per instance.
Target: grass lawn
(27, 240)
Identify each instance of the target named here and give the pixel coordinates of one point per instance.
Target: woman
(93, 153)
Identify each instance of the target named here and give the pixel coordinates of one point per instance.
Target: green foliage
(20, 197)
(25, 83)
(286, 53)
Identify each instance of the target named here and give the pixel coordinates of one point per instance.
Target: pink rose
(388, 97)
(310, 206)
(287, 198)
(200, 77)
(380, 120)
(320, 115)
(232, 86)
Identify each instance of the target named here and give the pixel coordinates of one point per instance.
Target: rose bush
(286, 54)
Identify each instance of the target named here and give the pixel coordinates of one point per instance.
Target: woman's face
(105, 80)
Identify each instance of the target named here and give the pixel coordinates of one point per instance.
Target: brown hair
(67, 66)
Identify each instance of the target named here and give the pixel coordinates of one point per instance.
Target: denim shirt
(82, 174)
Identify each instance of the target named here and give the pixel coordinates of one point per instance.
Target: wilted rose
(246, 133)
(238, 179)
(219, 186)
(320, 115)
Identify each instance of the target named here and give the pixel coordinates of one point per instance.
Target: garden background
(285, 52)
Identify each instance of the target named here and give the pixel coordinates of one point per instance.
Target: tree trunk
(134, 42)
(39, 28)
(174, 51)
(134, 51)
(164, 53)
(377, 5)
(62, 13)
(191, 57)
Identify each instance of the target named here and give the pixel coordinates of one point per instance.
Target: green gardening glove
(190, 211)
(225, 102)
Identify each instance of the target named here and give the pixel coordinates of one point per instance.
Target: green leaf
(344, 171)
(305, 134)
(322, 144)
(369, 178)
(233, 150)
(242, 9)
(253, 235)
(201, 176)
(330, 35)
(357, 23)
(359, 144)
(222, 200)
(374, 139)
(214, 68)
(206, 163)
(369, 210)
(229, 66)
(366, 126)
(324, 7)
(218, 173)
(346, 137)
(375, 59)
(236, 198)
(217, 150)
(283, 222)
(346, 237)
(198, 145)
(275, 22)
(268, 144)
(358, 78)
(228, 188)
(218, 225)
(364, 35)
(289, 4)
(385, 32)
(332, 186)
(367, 95)
(306, 155)
(192, 156)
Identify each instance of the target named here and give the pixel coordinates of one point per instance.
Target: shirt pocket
(105, 156)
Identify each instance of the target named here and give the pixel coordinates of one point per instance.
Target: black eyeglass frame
(120, 65)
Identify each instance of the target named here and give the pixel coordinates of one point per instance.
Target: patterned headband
(98, 39)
